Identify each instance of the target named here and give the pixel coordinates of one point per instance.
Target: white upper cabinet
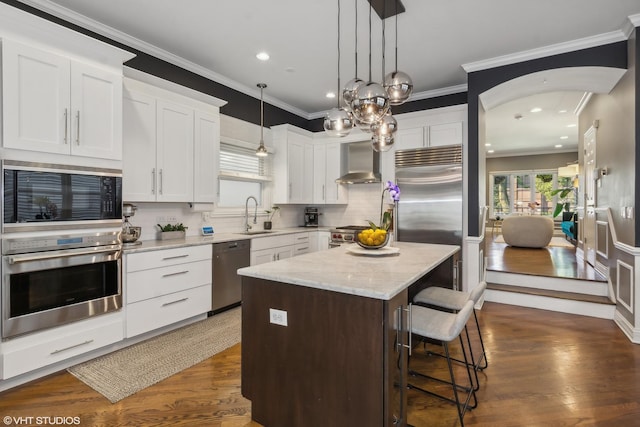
(53, 104)
(445, 134)
(326, 169)
(139, 135)
(293, 165)
(171, 146)
(174, 155)
(206, 150)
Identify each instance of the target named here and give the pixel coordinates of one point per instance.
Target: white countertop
(380, 277)
(152, 245)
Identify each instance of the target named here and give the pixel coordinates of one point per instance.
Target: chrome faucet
(247, 227)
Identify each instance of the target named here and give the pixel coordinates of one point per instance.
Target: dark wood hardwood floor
(551, 261)
(545, 369)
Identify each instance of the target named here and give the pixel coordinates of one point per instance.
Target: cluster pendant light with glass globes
(368, 104)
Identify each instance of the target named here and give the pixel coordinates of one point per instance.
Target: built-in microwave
(39, 196)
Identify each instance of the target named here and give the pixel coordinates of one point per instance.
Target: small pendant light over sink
(262, 150)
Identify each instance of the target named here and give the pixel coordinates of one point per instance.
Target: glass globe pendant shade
(349, 92)
(399, 86)
(337, 122)
(364, 127)
(371, 103)
(388, 125)
(382, 143)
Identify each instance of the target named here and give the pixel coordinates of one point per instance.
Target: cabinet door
(319, 174)
(300, 164)
(283, 252)
(334, 192)
(409, 138)
(445, 134)
(262, 256)
(96, 112)
(206, 154)
(139, 147)
(174, 152)
(35, 99)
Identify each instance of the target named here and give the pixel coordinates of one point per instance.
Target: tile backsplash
(364, 204)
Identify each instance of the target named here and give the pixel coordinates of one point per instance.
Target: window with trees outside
(530, 192)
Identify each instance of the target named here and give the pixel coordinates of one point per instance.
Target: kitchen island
(324, 335)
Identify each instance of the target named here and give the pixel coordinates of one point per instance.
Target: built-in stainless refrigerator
(430, 206)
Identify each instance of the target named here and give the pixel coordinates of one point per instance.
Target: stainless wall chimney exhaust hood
(363, 164)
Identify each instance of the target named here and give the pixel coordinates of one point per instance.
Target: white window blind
(243, 162)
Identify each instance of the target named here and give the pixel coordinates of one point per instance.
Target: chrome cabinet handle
(303, 249)
(78, 127)
(174, 302)
(153, 181)
(175, 257)
(176, 273)
(66, 126)
(71, 347)
(161, 181)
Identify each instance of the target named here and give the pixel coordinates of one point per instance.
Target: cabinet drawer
(155, 313)
(56, 346)
(145, 284)
(165, 257)
(271, 242)
(301, 248)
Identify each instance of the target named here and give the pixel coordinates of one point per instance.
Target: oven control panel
(53, 243)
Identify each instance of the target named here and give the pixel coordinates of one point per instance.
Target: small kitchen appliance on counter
(130, 234)
(311, 216)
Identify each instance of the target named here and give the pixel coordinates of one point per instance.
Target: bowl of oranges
(373, 238)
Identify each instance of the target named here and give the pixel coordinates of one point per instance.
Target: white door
(139, 147)
(174, 152)
(590, 177)
(35, 99)
(96, 112)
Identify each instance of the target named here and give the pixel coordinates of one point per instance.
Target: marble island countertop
(339, 270)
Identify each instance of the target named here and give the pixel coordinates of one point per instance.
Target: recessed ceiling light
(487, 145)
(562, 111)
(558, 145)
(262, 56)
(330, 95)
(564, 137)
(535, 110)
(490, 151)
(572, 125)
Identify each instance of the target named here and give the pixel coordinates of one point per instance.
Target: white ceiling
(219, 39)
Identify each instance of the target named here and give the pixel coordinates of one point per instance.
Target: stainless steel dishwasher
(228, 257)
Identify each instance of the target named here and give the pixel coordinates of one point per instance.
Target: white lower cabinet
(166, 286)
(24, 354)
(274, 248)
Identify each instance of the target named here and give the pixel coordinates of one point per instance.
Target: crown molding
(555, 49)
(633, 21)
(124, 38)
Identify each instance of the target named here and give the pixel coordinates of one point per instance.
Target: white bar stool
(454, 300)
(445, 327)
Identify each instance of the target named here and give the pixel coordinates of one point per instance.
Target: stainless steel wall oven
(53, 280)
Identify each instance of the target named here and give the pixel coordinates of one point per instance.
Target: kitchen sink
(257, 232)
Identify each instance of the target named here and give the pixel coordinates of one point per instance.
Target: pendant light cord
(356, 47)
(261, 114)
(339, 91)
(370, 7)
(396, 35)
